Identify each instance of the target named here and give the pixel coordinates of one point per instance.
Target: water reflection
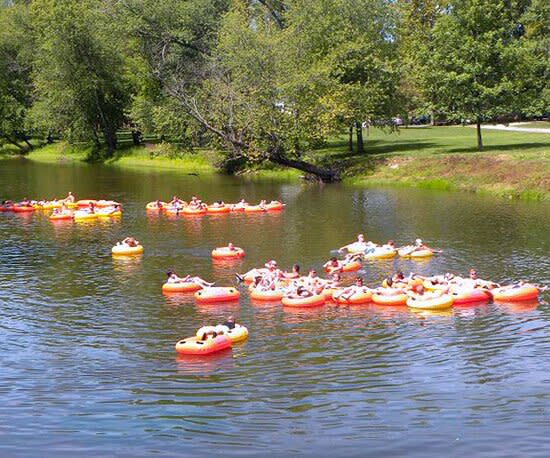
(87, 340)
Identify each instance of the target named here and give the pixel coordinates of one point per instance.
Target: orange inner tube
(61, 216)
(195, 346)
(356, 298)
(311, 301)
(390, 299)
(217, 210)
(23, 209)
(182, 287)
(275, 207)
(226, 253)
(216, 294)
(522, 293)
(272, 295)
(193, 211)
(254, 209)
(85, 202)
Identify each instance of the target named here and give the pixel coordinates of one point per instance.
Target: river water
(87, 341)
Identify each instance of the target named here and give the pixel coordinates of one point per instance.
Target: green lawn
(512, 163)
(536, 125)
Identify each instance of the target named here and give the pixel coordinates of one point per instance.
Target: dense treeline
(263, 81)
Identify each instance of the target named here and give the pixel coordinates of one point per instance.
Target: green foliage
(478, 63)
(263, 81)
(15, 81)
(78, 73)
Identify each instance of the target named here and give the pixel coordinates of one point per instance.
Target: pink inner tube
(467, 297)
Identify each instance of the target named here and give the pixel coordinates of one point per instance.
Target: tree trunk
(350, 140)
(323, 174)
(479, 139)
(359, 132)
(14, 142)
(30, 147)
(109, 135)
(136, 137)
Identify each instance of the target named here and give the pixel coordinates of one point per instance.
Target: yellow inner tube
(434, 303)
(124, 250)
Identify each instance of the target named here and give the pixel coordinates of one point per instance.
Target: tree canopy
(264, 81)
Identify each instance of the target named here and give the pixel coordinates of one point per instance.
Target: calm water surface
(86, 341)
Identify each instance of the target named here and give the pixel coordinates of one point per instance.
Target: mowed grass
(512, 164)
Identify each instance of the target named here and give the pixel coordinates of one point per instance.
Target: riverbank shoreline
(513, 165)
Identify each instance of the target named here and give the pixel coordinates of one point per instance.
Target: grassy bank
(513, 164)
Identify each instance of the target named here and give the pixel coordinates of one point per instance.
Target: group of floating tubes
(65, 210)
(186, 209)
(371, 251)
(212, 339)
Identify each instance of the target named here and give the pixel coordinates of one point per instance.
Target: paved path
(516, 127)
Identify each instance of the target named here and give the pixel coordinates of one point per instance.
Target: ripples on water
(87, 341)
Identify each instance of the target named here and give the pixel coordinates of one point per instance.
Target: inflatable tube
(181, 287)
(254, 209)
(328, 293)
(434, 286)
(390, 299)
(217, 210)
(80, 215)
(397, 284)
(106, 203)
(238, 207)
(48, 206)
(311, 301)
(109, 214)
(515, 294)
(351, 266)
(226, 253)
(153, 207)
(435, 303)
(85, 202)
(406, 253)
(275, 206)
(380, 253)
(217, 294)
(23, 208)
(173, 211)
(357, 298)
(6, 208)
(270, 296)
(356, 247)
(238, 334)
(193, 211)
(469, 296)
(60, 216)
(195, 346)
(125, 250)
(252, 274)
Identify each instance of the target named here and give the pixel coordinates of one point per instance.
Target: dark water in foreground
(86, 341)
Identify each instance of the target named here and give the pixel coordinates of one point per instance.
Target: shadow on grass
(375, 151)
(499, 148)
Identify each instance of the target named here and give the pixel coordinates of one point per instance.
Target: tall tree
(15, 81)
(477, 60)
(79, 71)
